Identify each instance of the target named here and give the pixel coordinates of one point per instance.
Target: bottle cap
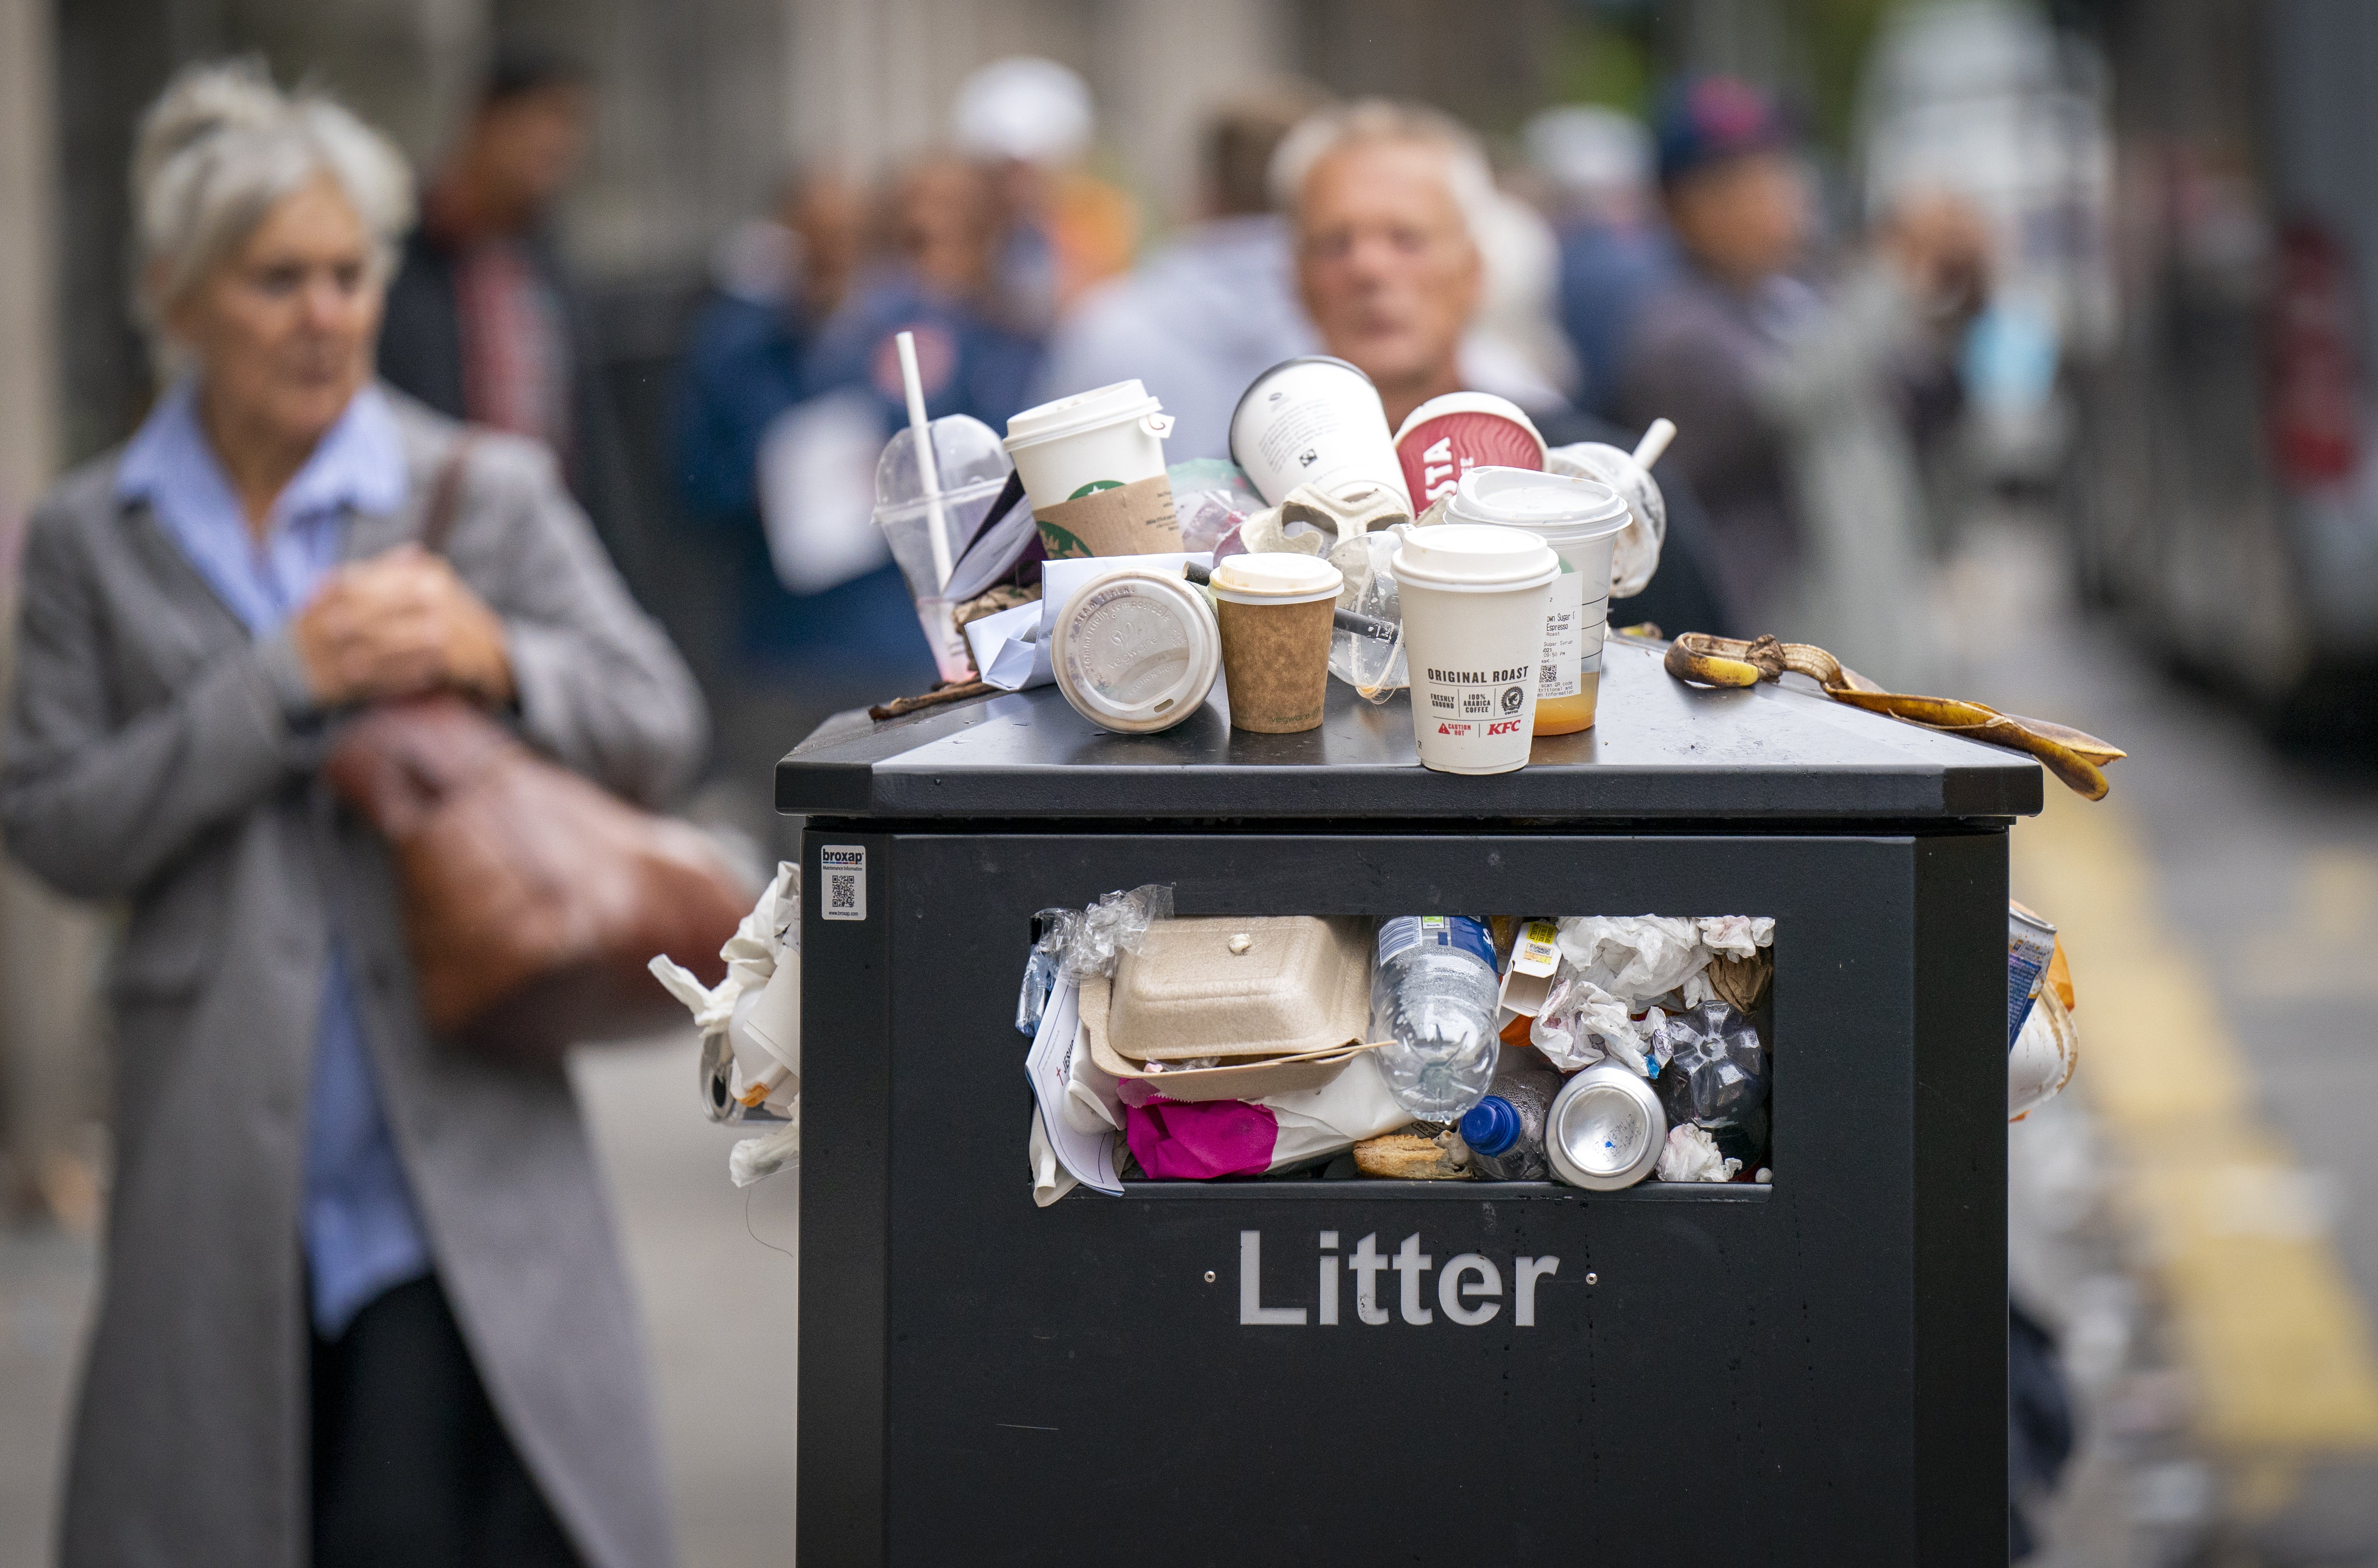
(1491, 1126)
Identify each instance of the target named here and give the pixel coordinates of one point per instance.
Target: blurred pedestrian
(1792, 402)
(776, 283)
(1615, 252)
(1383, 198)
(1061, 229)
(484, 322)
(362, 1302)
(1204, 317)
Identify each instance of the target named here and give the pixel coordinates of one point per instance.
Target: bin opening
(1582, 1050)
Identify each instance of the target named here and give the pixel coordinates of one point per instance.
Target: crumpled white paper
(1051, 1180)
(1691, 1156)
(1735, 936)
(1580, 1024)
(1634, 957)
(750, 1028)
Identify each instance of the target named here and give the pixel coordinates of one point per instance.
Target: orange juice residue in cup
(1567, 715)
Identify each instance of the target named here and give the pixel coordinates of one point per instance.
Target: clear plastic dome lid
(967, 450)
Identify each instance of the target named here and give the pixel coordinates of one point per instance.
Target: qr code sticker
(842, 881)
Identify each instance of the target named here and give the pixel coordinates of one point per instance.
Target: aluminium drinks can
(2031, 947)
(1605, 1129)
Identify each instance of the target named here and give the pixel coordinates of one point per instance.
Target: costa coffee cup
(1582, 520)
(1093, 467)
(1474, 598)
(1314, 421)
(1446, 438)
(1275, 610)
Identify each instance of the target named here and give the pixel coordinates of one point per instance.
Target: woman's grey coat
(150, 755)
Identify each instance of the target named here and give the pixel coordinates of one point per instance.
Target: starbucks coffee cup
(1135, 650)
(1093, 467)
(1447, 437)
(1274, 609)
(1475, 599)
(1314, 421)
(1582, 520)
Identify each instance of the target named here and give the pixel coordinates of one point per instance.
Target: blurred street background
(2147, 505)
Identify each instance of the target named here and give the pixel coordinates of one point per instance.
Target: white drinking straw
(928, 468)
(1647, 450)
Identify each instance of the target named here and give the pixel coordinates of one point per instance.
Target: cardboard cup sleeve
(1276, 663)
(1122, 520)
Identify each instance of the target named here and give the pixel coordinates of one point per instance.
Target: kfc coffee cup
(1582, 520)
(1275, 609)
(1314, 421)
(1474, 598)
(1447, 437)
(1093, 467)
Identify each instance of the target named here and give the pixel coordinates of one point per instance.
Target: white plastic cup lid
(1518, 497)
(1118, 404)
(1475, 557)
(1136, 651)
(1275, 577)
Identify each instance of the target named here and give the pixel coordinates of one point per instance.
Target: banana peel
(2074, 757)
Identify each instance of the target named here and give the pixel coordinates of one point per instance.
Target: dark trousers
(410, 1466)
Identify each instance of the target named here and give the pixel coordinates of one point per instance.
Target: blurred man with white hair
(1384, 200)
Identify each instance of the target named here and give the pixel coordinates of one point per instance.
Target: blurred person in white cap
(1030, 121)
(1384, 199)
(1596, 163)
(1216, 307)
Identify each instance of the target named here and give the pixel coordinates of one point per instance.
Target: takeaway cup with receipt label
(1314, 421)
(1093, 467)
(1474, 601)
(1582, 520)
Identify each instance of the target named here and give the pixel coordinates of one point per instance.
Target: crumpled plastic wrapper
(1077, 943)
(750, 1028)
(1635, 554)
(1716, 1071)
(1210, 496)
(1691, 1156)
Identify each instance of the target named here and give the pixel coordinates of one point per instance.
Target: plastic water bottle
(1435, 999)
(1505, 1129)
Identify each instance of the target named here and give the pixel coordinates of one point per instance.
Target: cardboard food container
(1240, 985)
(1245, 1077)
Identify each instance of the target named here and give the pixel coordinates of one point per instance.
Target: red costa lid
(1446, 438)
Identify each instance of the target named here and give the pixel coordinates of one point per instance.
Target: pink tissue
(1199, 1141)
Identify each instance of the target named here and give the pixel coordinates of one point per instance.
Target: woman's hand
(398, 625)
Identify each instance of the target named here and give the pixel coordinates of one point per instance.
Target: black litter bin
(1807, 1371)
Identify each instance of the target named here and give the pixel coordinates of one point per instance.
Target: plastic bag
(1691, 1155)
(750, 1061)
(1635, 554)
(1716, 1073)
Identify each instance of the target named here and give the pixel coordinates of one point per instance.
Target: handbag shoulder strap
(446, 496)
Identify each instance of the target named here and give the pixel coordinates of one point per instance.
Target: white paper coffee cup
(1090, 441)
(1314, 421)
(1475, 600)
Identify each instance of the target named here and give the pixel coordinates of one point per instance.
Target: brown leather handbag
(534, 898)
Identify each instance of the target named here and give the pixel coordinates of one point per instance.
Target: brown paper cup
(1276, 663)
(1122, 520)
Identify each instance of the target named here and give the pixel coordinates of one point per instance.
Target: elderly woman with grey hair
(362, 1302)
